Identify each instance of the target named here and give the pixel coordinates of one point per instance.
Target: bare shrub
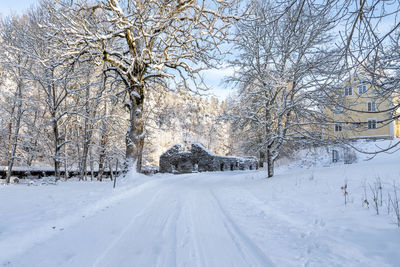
(375, 195)
(365, 197)
(349, 156)
(345, 193)
(395, 204)
(388, 203)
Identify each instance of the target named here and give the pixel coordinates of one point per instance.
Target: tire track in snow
(197, 252)
(213, 238)
(306, 238)
(274, 225)
(123, 232)
(150, 237)
(170, 236)
(253, 253)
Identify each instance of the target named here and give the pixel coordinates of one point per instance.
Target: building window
(371, 106)
(371, 124)
(362, 88)
(338, 127)
(348, 90)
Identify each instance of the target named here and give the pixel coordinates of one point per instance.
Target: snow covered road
(212, 219)
(174, 222)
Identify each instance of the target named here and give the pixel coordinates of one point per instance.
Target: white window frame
(338, 128)
(362, 88)
(348, 90)
(371, 106)
(372, 122)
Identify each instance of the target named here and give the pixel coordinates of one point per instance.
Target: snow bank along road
(206, 219)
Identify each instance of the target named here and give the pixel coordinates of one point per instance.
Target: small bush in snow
(345, 193)
(376, 196)
(350, 156)
(376, 191)
(365, 197)
(396, 204)
(388, 203)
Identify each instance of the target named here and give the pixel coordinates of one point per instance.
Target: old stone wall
(199, 159)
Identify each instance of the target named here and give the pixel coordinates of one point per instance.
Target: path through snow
(220, 219)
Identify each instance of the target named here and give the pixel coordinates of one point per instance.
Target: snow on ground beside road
(239, 218)
(322, 156)
(37, 209)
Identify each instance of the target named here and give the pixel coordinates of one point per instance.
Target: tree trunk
(135, 133)
(16, 132)
(87, 134)
(33, 144)
(91, 165)
(102, 156)
(270, 163)
(56, 148)
(65, 165)
(103, 143)
(53, 106)
(84, 162)
(262, 159)
(110, 168)
(85, 151)
(66, 127)
(116, 173)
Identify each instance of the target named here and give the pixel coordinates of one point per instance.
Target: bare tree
(279, 50)
(371, 43)
(15, 63)
(90, 99)
(147, 42)
(54, 76)
(367, 52)
(54, 94)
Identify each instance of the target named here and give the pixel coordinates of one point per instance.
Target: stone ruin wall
(199, 159)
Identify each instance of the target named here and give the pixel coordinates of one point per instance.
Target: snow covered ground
(239, 218)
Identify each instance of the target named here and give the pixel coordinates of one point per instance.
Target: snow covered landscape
(213, 133)
(232, 218)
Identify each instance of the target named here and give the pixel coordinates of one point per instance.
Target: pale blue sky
(17, 6)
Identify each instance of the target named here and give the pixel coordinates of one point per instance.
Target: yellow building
(396, 101)
(362, 111)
